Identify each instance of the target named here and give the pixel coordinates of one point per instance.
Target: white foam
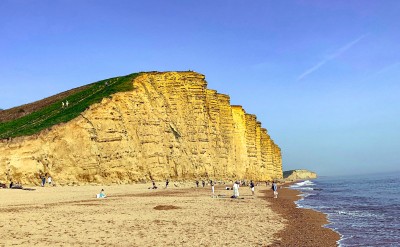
(302, 197)
(342, 238)
(360, 214)
(301, 184)
(306, 188)
(308, 194)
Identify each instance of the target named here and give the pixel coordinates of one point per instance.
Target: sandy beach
(133, 215)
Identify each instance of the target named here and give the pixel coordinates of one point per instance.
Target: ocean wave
(306, 188)
(362, 214)
(303, 183)
(298, 205)
(364, 209)
(308, 194)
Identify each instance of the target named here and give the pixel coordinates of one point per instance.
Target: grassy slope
(22, 110)
(54, 114)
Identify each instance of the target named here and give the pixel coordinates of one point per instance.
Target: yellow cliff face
(169, 126)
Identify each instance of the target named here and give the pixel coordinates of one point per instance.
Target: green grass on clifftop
(53, 114)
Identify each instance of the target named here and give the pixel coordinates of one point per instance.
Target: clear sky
(322, 76)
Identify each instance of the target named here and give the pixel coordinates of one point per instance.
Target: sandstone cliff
(299, 175)
(169, 126)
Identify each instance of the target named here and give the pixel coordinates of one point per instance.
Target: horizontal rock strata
(169, 126)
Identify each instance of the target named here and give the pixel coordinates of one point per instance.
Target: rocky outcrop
(169, 126)
(299, 175)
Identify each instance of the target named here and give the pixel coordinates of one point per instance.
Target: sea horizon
(343, 175)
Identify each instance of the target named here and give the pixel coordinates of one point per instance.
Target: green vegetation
(55, 114)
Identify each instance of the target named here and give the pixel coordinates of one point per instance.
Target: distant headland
(300, 174)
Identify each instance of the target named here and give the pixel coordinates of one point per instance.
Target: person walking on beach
(252, 187)
(197, 183)
(154, 185)
(212, 189)
(204, 183)
(49, 180)
(166, 183)
(43, 180)
(275, 189)
(236, 189)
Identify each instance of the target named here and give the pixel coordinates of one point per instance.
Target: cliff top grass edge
(57, 111)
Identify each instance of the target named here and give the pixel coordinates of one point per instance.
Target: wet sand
(133, 215)
(305, 225)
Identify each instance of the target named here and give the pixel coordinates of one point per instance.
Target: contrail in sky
(387, 68)
(331, 57)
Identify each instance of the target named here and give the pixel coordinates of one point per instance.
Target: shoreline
(305, 227)
(134, 208)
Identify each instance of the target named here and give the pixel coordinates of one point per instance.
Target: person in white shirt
(212, 189)
(236, 189)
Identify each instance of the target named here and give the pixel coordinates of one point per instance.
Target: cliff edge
(168, 126)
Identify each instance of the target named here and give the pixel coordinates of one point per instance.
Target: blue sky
(322, 76)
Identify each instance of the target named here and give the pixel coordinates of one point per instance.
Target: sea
(363, 209)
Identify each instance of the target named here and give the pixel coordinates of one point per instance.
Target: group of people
(154, 186)
(66, 104)
(44, 178)
(16, 185)
(235, 188)
(202, 182)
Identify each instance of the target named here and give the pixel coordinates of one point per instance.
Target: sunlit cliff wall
(169, 126)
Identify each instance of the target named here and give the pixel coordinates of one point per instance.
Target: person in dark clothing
(275, 189)
(252, 187)
(203, 182)
(212, 189)
(43, 180)
(154, 185)
(166, 183)
(197, 183)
